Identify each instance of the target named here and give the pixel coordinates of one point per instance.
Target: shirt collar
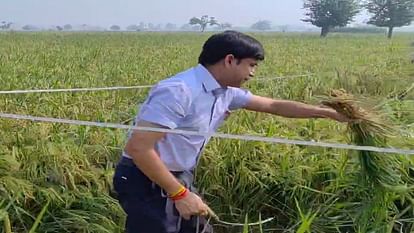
(209, 82)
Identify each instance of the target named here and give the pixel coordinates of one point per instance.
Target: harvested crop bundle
(369, 129)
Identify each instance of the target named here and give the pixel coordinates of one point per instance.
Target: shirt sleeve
(166, 105)
(240, 98)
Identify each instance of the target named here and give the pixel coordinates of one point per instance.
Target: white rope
(211, 134)
(74, 89)
(122, 87)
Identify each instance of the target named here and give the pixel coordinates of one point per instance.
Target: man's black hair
(222, 44)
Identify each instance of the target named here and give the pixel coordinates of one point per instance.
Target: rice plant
(57, 178)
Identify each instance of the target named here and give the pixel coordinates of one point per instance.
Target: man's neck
(215, 71)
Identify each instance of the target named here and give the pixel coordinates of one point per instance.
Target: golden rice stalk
(369, 129)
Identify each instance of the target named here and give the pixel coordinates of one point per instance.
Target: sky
(125, 12)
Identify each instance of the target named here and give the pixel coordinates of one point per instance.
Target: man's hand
(190, 205)
(338, 116)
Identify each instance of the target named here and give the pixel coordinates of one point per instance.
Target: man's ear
(229, 59)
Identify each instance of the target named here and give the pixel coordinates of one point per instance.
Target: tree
(262, 25)
(170, 26)
(115, 28)
(158, 27)
(226, 25)
(67, 27)
(328, 14)
(189, 27)
(133, 27)
(203, 22)
(143, 26)
(59, 28)
(284, 28)
(5, 25)
(151, 26)
(390, 13)
(29, 27)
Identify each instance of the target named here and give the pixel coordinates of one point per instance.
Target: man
(154, 177)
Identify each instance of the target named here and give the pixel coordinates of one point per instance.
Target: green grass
(56, 178)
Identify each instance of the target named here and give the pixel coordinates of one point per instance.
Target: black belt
(126, 161)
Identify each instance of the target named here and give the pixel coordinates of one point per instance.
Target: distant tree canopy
(5, 25)
(262, 25)
(115, 28)
(390, 13)
(283, 28)
(189, 27)
(29, 27)
(226, 25)
(170, 26)
(133, 27)
(67, 27)
(328, 14)
(203, 21)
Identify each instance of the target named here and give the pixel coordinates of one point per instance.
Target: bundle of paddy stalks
(368, 128)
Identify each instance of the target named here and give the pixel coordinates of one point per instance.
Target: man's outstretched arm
(292, 109)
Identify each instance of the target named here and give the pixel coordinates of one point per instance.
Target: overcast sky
(126, 12)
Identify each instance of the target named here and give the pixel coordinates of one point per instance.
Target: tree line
(328, 15)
